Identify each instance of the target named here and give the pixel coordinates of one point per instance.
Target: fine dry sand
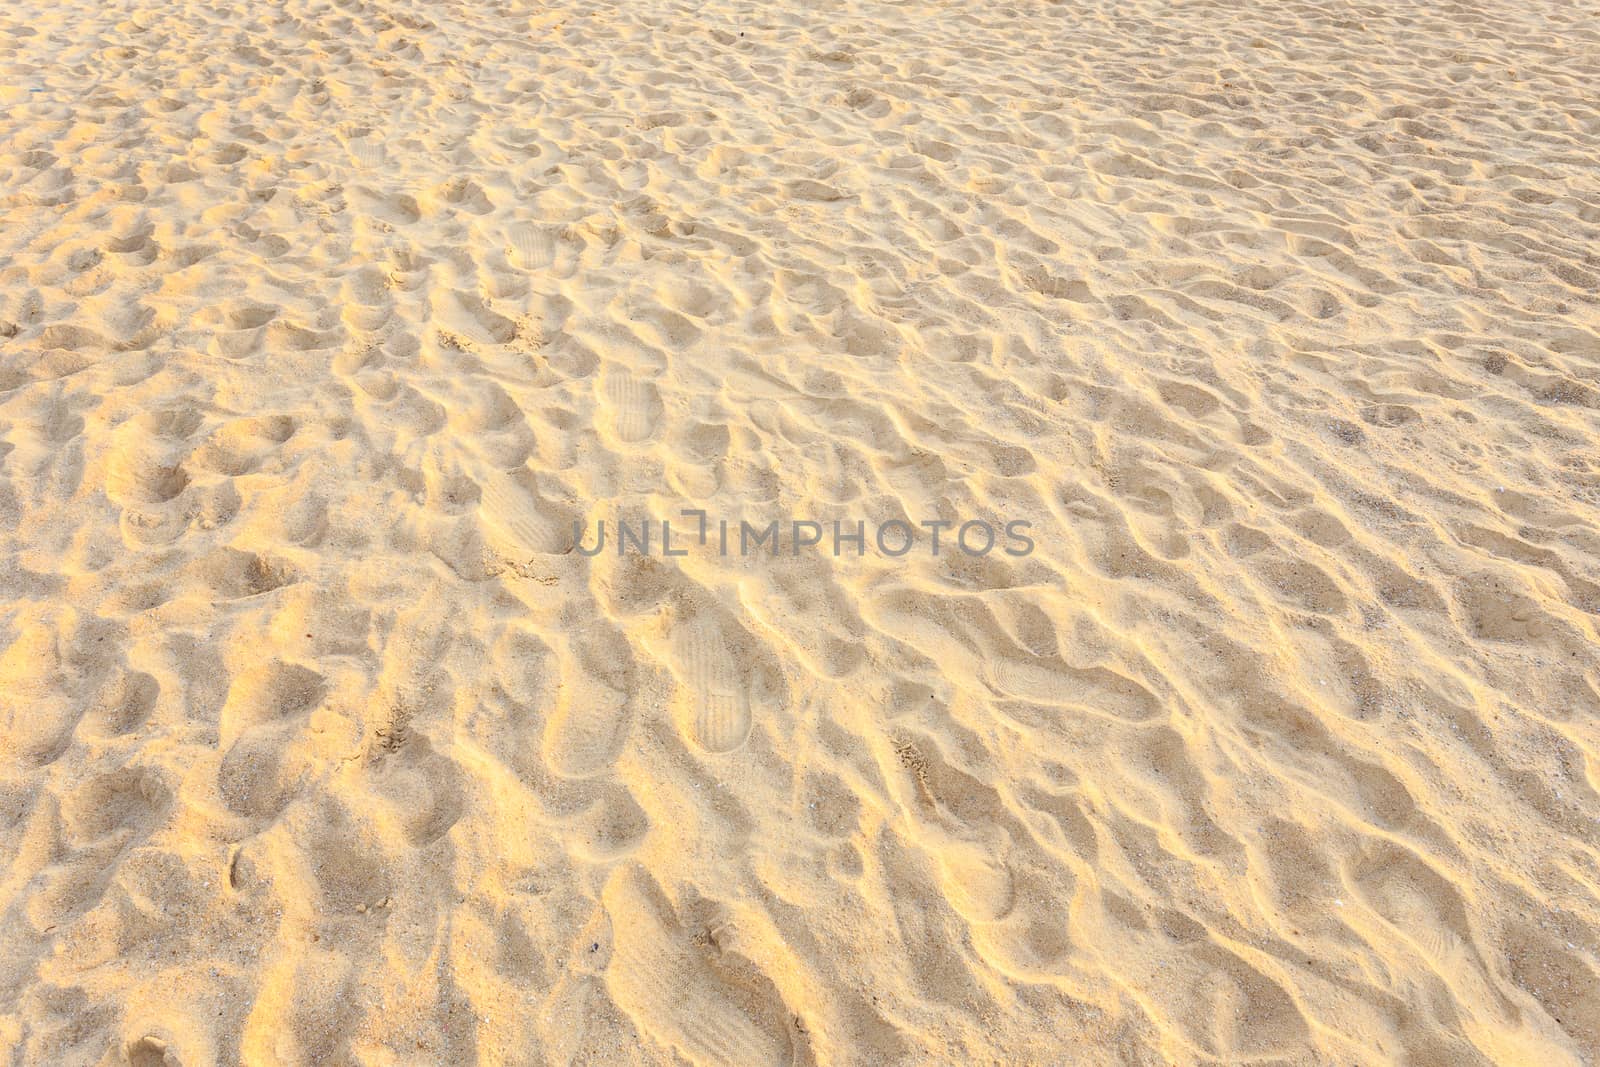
(320, 323)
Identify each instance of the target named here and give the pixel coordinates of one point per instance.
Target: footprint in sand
(518, 521)
(634, 405)
(589, 723)
(714, 699)
(368, 152)
(533, 247)
(671, 990)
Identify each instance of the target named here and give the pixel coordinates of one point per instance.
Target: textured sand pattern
(320, 323)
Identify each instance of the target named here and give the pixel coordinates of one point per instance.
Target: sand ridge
(321, 324)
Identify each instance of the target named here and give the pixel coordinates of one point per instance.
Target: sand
(322, 324)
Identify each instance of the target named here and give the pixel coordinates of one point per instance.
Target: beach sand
(323, 324)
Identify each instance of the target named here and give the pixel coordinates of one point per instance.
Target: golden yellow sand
(321, 323)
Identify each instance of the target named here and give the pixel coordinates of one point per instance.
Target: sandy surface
(321, 323)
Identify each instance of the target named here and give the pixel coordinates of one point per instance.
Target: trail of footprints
(964, 835)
